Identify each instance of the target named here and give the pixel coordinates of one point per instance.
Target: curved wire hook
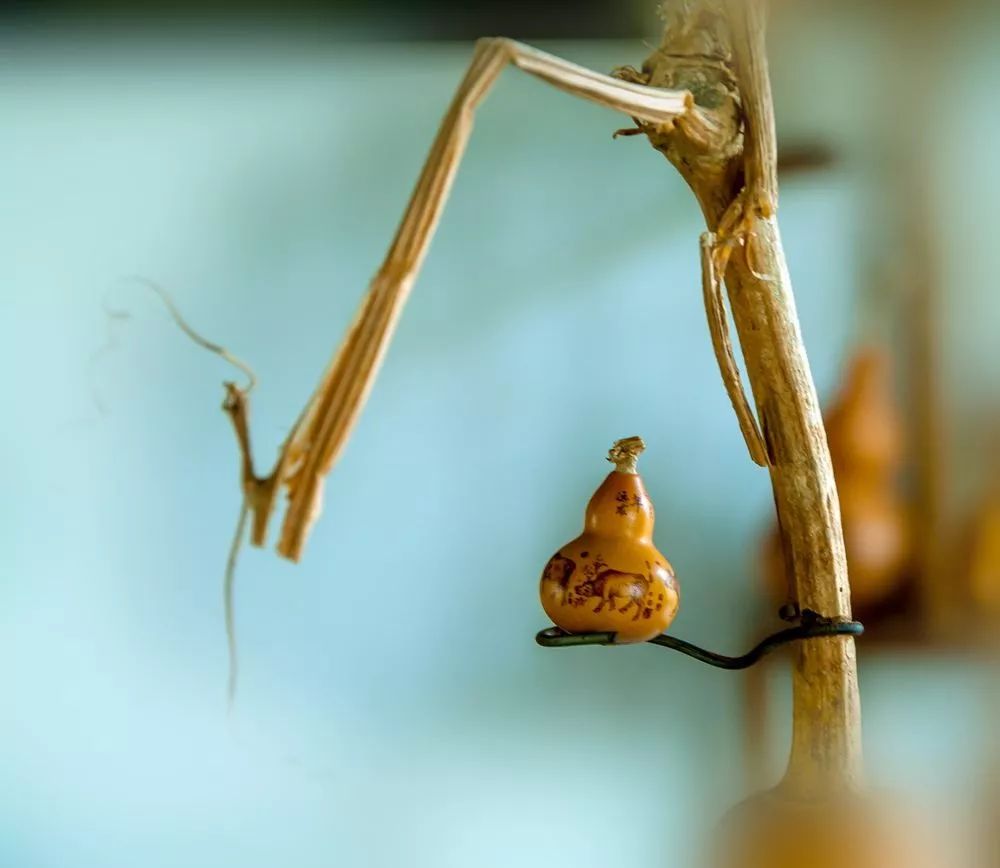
(813, 626)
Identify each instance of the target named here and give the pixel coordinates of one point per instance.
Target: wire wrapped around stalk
(812, 626)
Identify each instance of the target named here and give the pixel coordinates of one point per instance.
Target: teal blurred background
(394, 709)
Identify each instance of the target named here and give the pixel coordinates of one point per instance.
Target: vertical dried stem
(737, 189)
(760, 148)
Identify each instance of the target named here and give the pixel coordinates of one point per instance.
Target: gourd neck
(621, 506)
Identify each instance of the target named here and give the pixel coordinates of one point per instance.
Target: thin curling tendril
(229, 577)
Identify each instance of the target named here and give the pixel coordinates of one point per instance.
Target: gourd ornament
(865, 439)
(983, 546)
(612, 578)
(778, 829)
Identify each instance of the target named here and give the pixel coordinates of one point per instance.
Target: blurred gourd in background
(866, 446)
(778, 830)
(982, 542)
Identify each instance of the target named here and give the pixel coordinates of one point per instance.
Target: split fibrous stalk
(318, 438)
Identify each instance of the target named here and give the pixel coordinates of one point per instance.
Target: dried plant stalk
(723, 63)
(703, 99)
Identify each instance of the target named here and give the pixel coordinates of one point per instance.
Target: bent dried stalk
(317, 439)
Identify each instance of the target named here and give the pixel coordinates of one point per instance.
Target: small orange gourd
(866, 445)
(612, 578)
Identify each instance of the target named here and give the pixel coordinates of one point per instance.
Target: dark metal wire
(812, 626)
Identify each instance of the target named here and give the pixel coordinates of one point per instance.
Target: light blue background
(394, 708)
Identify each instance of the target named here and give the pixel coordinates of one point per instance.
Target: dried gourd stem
(718, 327)
(237, 398)
(624, 454)
(826, 723)
(760, 148)
(737, 188)
(236, 405)
(229, 606)
(316, 443)
(258, 494)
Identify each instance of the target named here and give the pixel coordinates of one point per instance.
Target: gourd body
(612, 578)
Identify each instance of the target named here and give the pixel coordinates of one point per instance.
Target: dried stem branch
(718, 328)
(760, 149)
(236, 406)
(318, 439)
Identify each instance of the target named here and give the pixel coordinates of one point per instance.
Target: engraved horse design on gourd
(613, 586)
